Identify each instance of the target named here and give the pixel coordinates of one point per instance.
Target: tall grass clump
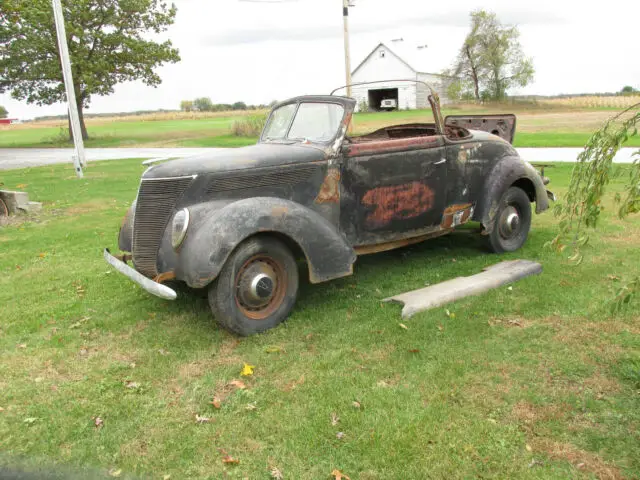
(249, 126)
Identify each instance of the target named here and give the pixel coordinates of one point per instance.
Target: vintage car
(237, 220)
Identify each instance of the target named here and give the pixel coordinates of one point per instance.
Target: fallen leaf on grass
(528, 447)
(440, 327)
(273, 349)
(414, 350)
(42, 254)
(200, 419)
(449, 314)
(247, 370)
(276, 473)
(216, 402)
(131, 385)
(334, 418)
(403, 326)
(98, 422)
(163, 352)
(22, 345)
(338, 475)
(356, 404)
(228, 459)
(251, 406)
(30, 420)
(22, 185)
(340, 435)
(115, 472)
(239, 384)
(1, 409)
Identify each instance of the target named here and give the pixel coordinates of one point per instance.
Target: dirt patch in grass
(528, 414)
(580, 459)
(88, 207)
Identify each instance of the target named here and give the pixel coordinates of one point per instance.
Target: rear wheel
(512, 222)
(257, 287)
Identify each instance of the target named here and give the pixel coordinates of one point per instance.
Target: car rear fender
(509, 171)
(208, 246)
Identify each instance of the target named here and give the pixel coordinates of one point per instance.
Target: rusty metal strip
(383, 247)
(385, 146)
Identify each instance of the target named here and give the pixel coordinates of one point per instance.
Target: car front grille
(157, 199)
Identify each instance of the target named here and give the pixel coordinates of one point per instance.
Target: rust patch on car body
(330, 188)
(397, 202)
(457, 214)
(165, 276)
(383, 247)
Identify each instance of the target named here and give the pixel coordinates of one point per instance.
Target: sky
(262, 50)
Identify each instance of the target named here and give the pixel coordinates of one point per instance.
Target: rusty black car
(236, 221)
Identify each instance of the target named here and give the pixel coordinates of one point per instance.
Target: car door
(393, 188)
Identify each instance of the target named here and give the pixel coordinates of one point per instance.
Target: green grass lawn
(536, 128)
(533, 381)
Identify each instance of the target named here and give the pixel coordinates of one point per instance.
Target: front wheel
(512, 222)
(257, 287)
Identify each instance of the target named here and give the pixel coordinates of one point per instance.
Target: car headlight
(179, 227)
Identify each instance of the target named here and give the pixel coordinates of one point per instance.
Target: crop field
(100, 380)
(539, 125)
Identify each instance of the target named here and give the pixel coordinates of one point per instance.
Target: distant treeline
(204, 104)
(102, 115)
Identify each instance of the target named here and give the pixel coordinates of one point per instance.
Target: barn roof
(417, 59)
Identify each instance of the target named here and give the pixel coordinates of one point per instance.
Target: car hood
(231, 159)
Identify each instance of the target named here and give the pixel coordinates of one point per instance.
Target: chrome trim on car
(149, 285)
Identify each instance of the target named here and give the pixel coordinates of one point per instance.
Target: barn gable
(385, 65)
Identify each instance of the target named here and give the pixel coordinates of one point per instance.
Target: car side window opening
(279, 122)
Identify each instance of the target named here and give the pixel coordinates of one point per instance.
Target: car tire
(257, 287)
(512, 222)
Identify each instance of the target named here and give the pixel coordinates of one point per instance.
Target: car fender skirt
(207, 248)
(507, 172)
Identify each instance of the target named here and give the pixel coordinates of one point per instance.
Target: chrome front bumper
(149, 285)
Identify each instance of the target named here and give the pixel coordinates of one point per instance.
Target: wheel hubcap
(260, 287)
(509, 222)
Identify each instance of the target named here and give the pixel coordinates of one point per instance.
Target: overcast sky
(257, 51)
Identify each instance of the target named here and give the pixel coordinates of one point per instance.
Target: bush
(249, 126)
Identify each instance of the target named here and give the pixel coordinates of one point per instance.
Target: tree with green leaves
(107, 45)
(628, 89)
(582, 204)
(3, 112)
(490, 60)
(186, 105)
(203, 104)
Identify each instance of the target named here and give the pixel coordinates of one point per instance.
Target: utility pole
(347, 54)
(79, 159)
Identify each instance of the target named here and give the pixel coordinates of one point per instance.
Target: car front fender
(509, 171)
(221, 230)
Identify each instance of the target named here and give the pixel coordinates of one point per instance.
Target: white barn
(384, 64)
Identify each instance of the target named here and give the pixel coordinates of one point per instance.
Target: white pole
(79, 158)
(347, 55)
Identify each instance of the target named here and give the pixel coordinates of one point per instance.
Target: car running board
(461, 287)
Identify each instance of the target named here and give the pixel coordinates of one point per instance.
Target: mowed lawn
(536, 127)
(536, 380)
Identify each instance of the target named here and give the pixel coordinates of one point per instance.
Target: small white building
(386, 65)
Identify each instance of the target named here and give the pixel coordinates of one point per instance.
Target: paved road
(33, 157)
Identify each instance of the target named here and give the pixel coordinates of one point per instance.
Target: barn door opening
(383, 99)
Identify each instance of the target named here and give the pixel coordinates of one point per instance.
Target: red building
(8, 121)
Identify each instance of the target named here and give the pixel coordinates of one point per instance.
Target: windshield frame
(297, 102)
